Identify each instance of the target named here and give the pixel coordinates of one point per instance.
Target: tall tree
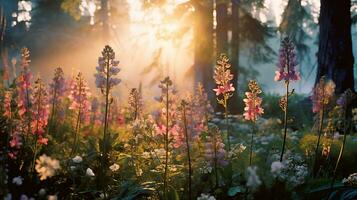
(294, 17)
(235, 52)
(251, 35)
(203, 44)
(222, 26)
(335, 57)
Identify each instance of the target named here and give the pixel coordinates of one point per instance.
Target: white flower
(89, 172)
(52, 197)
(8, 197)
(206, 197)
(146, 155)
(46, 166)
(253, 180)
(139, 172)
(350, 180)
(77, 159)
(114, 167)
(17, 180)
(276, 167)
(42, 192)
(24, 197)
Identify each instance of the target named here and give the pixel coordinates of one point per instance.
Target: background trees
(335, 56)
(234, 27)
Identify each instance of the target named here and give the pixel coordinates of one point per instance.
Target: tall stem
(166, 141)
(188, 155)
(76, 133)
(215, 157)
(227, 124)
(53, 110)
(321, 122)
(251, 144)
(285, 119)
(36, 133)
(341, 149)
(106, 108)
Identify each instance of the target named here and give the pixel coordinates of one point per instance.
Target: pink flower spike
(253, 103)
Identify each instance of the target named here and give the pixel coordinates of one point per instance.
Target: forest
(178, 99)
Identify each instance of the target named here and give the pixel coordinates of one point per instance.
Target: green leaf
(172, 194)
(234, 190)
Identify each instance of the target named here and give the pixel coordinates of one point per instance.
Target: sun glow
(162, 32)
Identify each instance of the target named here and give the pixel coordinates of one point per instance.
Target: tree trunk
(233, 104)
(222, 28)
(203, 46)
(335, 58)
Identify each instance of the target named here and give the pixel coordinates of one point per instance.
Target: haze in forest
(139, 36)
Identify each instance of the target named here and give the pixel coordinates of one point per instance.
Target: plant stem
(106, 110)
(341, 149)
(285, 119)
(251, 144)
(321, 122)
(188, 155)
(74, 148)
(227, 124)
(166, 142)
(215, 157)
(53, 110)
(36, 133)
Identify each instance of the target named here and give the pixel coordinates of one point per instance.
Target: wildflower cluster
(39, 109)
(321, 94)
(107, 68)
(23, 84)
(252, 102)
(350, 180)
(79, 97)
(135, 103)
(292, 170)
(253, 180)
(223, 78)
(287, 62)
(46, 167)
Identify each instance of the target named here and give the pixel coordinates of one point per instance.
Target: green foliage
(72, 8)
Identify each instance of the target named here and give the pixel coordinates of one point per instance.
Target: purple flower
(106, 69)
(58, 86)
(287, 62)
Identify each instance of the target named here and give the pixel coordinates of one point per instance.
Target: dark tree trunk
(233, 104)
(203, 46)
(335, 58)
(222, 28)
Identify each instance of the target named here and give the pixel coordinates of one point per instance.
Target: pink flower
(42, 140)
(79, 97)
(7, 104)
(39, 108)
(287, 62)
(135, 103)
(253, 103)
(321, 94)
(15, 141)
(223, 77)
(160, 129)
(23, 84)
